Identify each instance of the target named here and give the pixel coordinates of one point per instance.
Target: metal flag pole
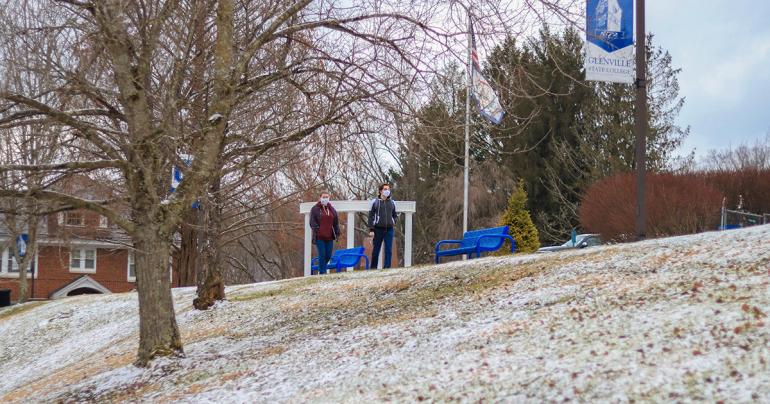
(467, 129)
(640, 122)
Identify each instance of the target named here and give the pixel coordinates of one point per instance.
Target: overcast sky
(723, 48)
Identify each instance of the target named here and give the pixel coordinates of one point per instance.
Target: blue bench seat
(342, 259)
(476, 241)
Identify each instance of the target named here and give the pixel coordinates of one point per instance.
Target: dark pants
(325, 248)
(380, 235)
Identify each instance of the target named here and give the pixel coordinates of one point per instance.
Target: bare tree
(124, 74)
(743, 157)
(31, 144)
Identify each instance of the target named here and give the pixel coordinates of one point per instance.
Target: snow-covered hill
(662, 320)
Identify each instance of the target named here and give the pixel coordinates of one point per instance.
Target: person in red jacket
(326, 227)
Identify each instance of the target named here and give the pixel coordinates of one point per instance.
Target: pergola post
(351, 241)
(351, 233)
(408, 240)
(308, 242)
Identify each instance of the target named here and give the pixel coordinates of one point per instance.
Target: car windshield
(579, 239)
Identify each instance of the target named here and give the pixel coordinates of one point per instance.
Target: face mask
(324, 201)
(386, 193)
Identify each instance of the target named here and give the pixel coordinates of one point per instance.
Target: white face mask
(324, 201)
(386, 193)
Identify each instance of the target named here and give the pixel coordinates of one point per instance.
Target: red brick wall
(89, 230)
(54, 273)
(10, 284)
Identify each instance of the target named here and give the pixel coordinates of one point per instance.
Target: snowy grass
(675, 319)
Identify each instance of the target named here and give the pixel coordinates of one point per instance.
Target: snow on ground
(678, 319)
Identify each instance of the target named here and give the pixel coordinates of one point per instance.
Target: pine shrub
(519, 223)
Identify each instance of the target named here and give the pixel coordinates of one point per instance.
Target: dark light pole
(640, 122)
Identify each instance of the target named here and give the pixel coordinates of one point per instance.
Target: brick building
(79, 252)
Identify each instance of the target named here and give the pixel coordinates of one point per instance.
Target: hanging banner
(481, 91)
(21, 244)
(177, 176)
(610, 41)
(176, 172)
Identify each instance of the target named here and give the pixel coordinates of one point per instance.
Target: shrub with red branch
(676, 204)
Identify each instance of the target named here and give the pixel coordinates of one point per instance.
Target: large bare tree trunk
(25, 216)
(210, 283)
(158, 330)
(188, 249)
(211, 286)
(28, 259)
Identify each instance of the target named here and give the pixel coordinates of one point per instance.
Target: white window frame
(103, 222)
(79, 213)
(82, 252)
(5, 272)
(132, 279)
(131, 259)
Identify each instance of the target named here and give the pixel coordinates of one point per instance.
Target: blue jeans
(325, 248)
(380, 235)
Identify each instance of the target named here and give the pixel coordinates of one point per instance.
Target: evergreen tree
(431, 159)
(541, 136)
(521, 227)
(561, 133)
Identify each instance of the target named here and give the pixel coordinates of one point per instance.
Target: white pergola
(407, 208)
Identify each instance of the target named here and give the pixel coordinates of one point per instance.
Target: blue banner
(610, 40)
(21, 244)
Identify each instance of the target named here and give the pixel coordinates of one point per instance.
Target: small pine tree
(520, 224)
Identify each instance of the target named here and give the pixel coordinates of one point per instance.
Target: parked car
(581, 241)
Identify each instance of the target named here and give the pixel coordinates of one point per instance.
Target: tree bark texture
(211, 285)
(188, 249)
(158, 330)
(28, 259)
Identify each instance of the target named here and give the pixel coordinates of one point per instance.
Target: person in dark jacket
(382, 224)
(326, 227)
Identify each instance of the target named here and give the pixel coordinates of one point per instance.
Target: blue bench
(477, 241)
(347, 258)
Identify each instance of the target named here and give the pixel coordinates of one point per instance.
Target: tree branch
(98, 206)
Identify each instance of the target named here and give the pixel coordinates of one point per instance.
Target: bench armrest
(442, 242)
(341, 256)
(504, 236)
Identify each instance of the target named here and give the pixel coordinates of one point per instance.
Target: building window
(10, 268)
(131, 267)
(83, 260)
(103, 221)
(74, 219)
(11, 265)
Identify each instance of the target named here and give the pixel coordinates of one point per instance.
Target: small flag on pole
(481, 91)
